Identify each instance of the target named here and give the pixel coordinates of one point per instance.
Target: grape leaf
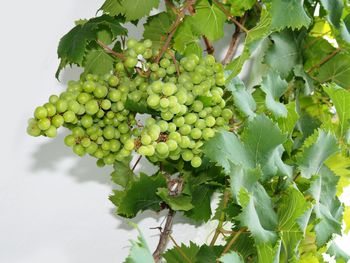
(283, 53)
(300, 72)
(341, 100)
(139, 251)
(337, 70)
(334, 9)
(316, 150)
(208, 254)
(287, 124)
(340, 255)
(181, 202)
(122, 173)
(268, 253)
(157, 27)
(291, 230)
(254, 35)
(340, 166)
(279, 18)
(139, 195)
(73, 45)
(242, 98)
(139, 107)
(174, 256)
(132, 9)
(346, 217)
(98, 62)
(327, 208)
(258, 214)
(201, 197)
(209, 20)
(231, 257)
(274, 87)
(186, 40)
(238, 8)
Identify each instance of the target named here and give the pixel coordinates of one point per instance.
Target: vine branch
(326, 59)
(209, 47)
(234, 43)
(232, 241)
(229, 16)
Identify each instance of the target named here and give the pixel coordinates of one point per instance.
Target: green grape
(57, 121)
(106, 146)
(78, 132)
(130, 62)
(100, 163)
(167, 115)
(69, 116)
(185, 129)
(106, 104)
(220, 121)
(175, 136)
(131, 43)
(115, 145)
(92, 107)
(227, 114)
(44, 124)
(123, 128)
(113, 81)
(153, 100)
(191, 118)
(79, 150)
(165, 63)
(83, 98)
(51, 132)
(33, 129)
(197, 106)
(164, 103)
(163, 125)
(172, 145)
(196, 133)
(187, 155)
(146, 139)
(74, 106)
(109, 159)
(51, 109)
(196, 161)
(171, 127)
(87, 121)
(89, 86)
(109, 132)
(216, 112)
(69, 140)
(161, 72)
(92, 148)
(162, 148)
(53, 99)
(129, 144)
(210, 121)
(61, 106)
(169, 89)
(185, 142)
(85, 142)
(100, 92)
(115, 95)
(208, 133)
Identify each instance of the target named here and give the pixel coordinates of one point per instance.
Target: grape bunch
(185, 97)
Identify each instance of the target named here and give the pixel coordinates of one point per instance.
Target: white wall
(53, 205)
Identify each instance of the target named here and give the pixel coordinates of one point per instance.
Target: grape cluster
(185, 96)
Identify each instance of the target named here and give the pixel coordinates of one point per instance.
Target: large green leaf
(327, 208)
(140, 195)
(242, 98)
(283, 53)
(209, 20)
(98, 62)
(317, 149)
(274, 87)
(174, 256)
(291, 208)
(122, 173)
(341, 100)
(181, 202)
(157, 27)
(334, 9)
(336, 70)
(231, 257)
(132, 9)
(281, 20)
(186, 39)
(340, 255)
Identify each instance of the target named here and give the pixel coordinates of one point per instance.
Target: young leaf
(287, 124)
(98, 62)
(316, 150)
(139, 252)
(186, 40)
(231, 257)
(274, 87)
(209, 20)
(122, 173)
(279, 18)
(341, 100)
(140, 195)
(242, 98)
(208, 254)
(157, 27)
(132, 9)
(176, 203)
(174, 256)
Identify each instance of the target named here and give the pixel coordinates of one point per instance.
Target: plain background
(54, 206)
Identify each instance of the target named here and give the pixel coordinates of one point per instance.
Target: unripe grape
(123, 128)
(220, 121)
(106, 146)
(187, 155)
(106, 104)
(33, 129)
(196, 133)
(53, 99)
(163, 125)
(210, 121)
(78, 132)
(196, 161)
(115, 95)
(130, 62)
(69, 116)
(113, 81)
(79, 150)
(92, 107)
(185, 142)
(109, 159)
(129, 144)
(164, 63)
(92, 148)
(114, 145)
(171, 127)
(40, 112)
(227, 114)
(153, 100)
(74, 106)
(85, 142)
(164, 103)
(44, 124)
(167, 115)
(185, 129)
(51, 109)
(172, 144)
(61, 106)
(100, 92)
(87, 121)
(208, 133)
(109, 132)
(162, 148)
(89, 86)
(191, 118)
(83, 98)
(175, 136)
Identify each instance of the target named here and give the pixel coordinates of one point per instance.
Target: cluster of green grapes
(186, 97)
(93, 109)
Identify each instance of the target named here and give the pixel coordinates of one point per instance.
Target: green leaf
(139, 252)
(73, 45)
(281, 20)
(268, 253)
(340, 255)
(316, 151)
(291, 208)
(208, 254)
(258, 214)
(300, 72)
(231, 257)
(242, 98)
(122, 173)
(283, 53)
(139, 107)
(174, 256)
(132, 9)
(339, 164)
(287, 124)
(238, 8)
(140, 195)
(201, 197)
(98, 62)
(341, 100)
(181, 202)
(254, 35)
(157, 27)
(336, 70)
(209, 20)
(334, 9)
(346, 217)
(274, 87)
(327, 208)
(186, 39)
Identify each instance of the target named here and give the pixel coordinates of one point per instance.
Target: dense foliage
(275, 146)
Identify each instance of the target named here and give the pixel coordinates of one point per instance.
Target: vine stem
(232, 241)
(221, 220)
(229, 16)
(326, 59)
(234, 43)
(110, 51)
(136, 163)
(209, 47)
(180, 250)
(164, 236)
